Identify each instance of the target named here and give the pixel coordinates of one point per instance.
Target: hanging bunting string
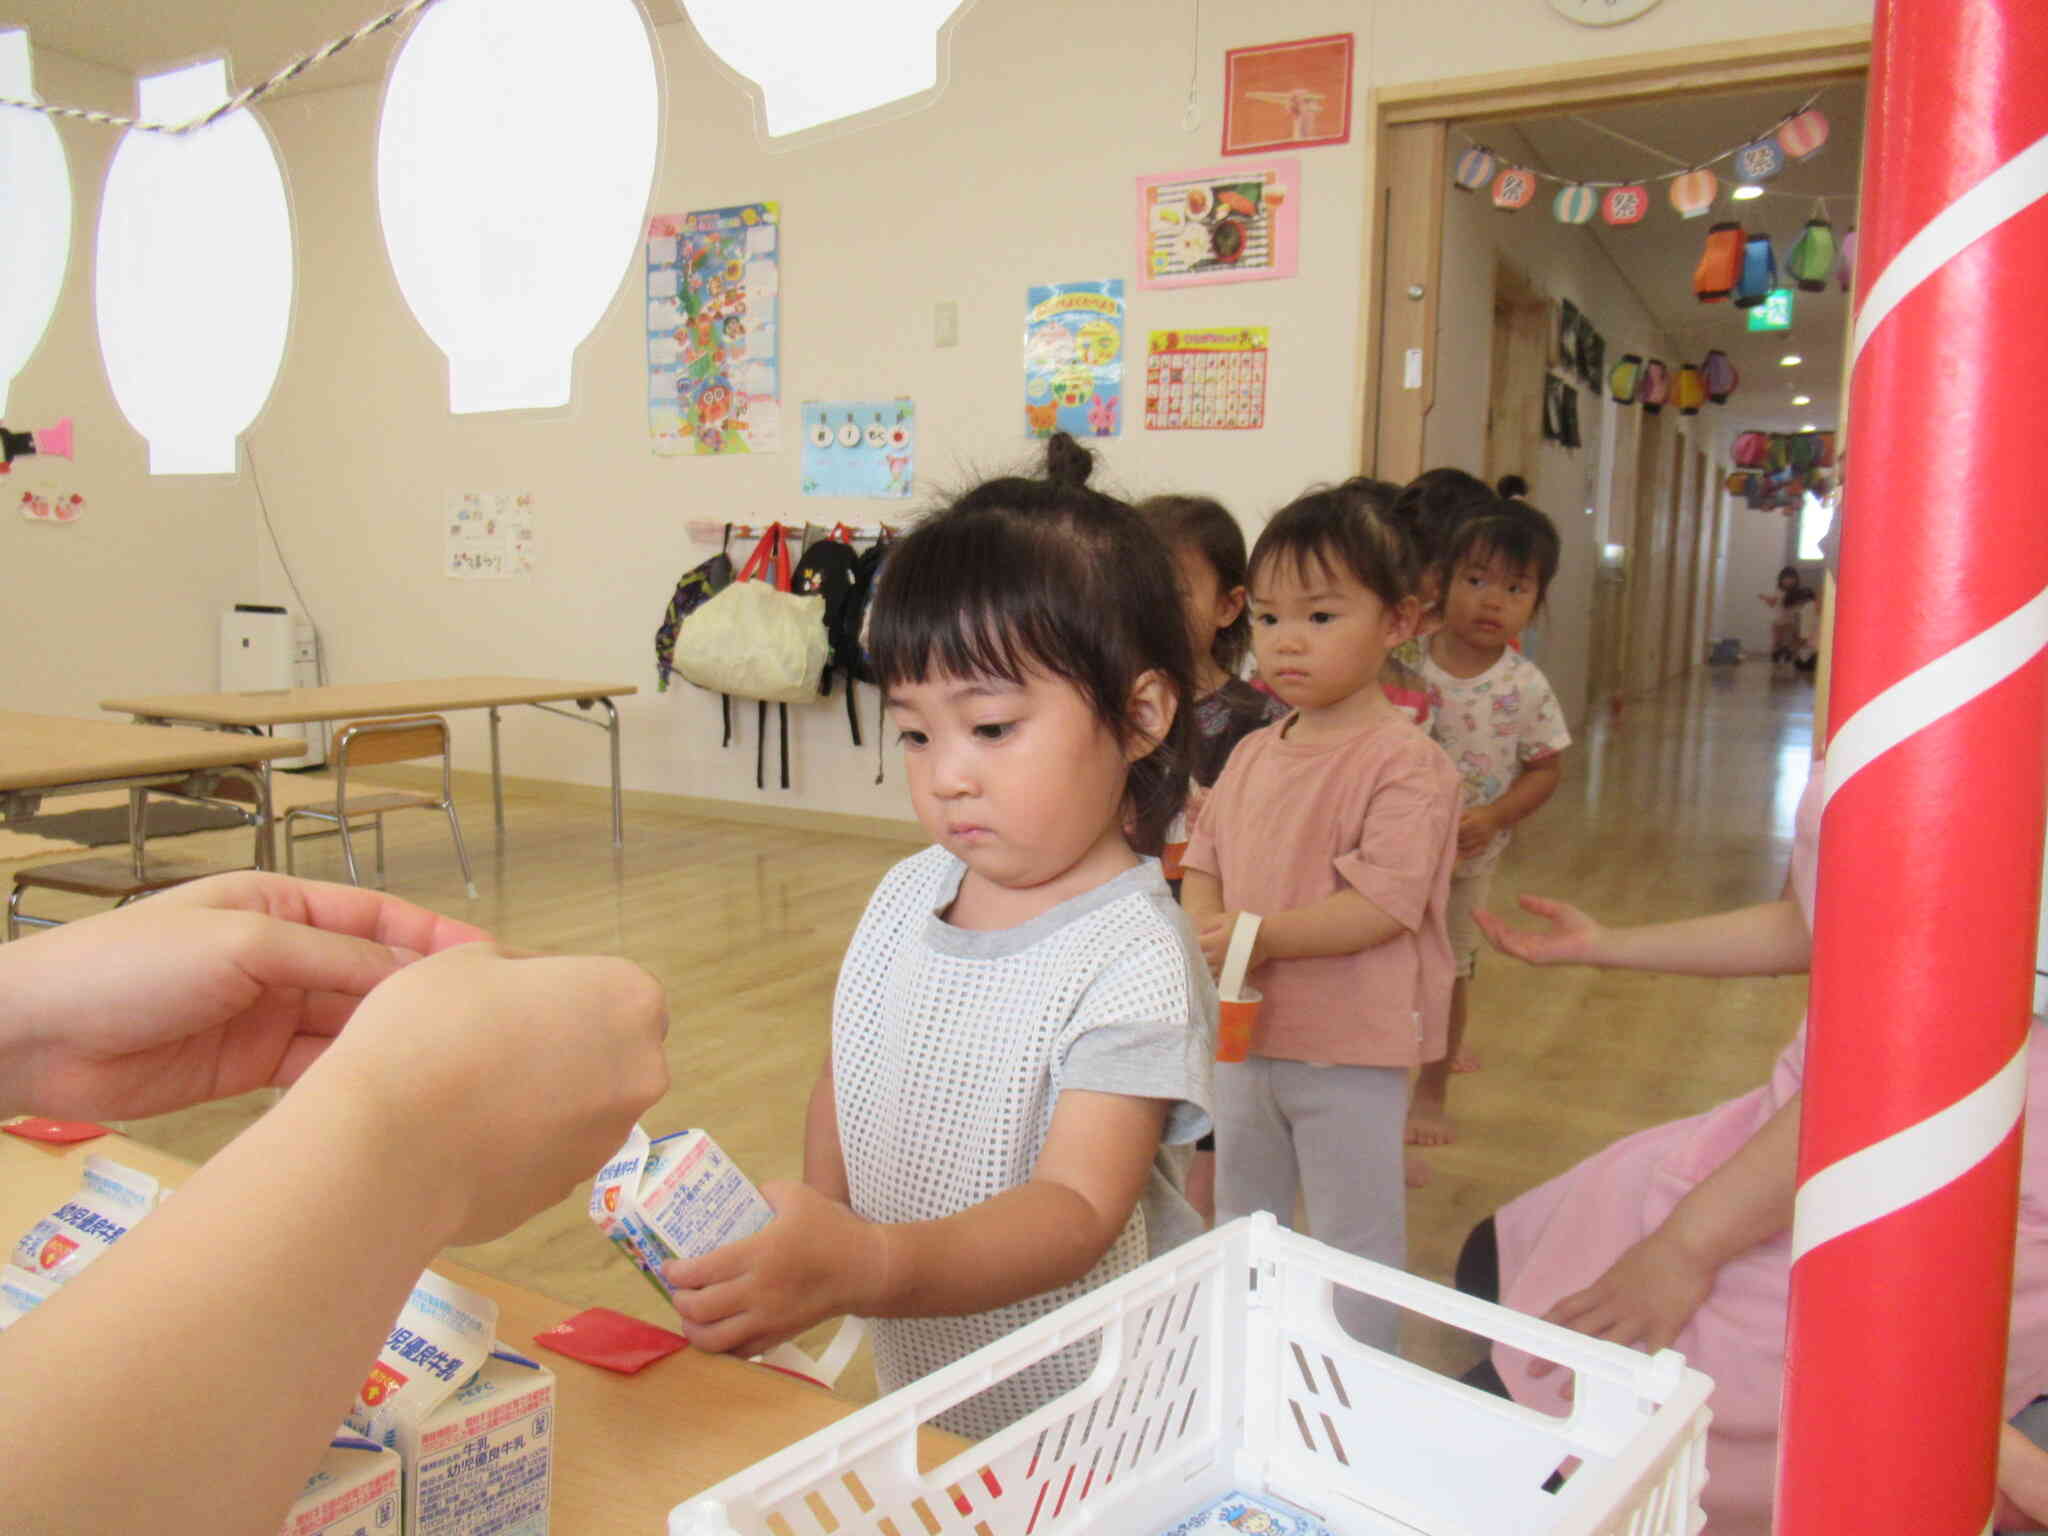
(240, 99)
(1680, 167)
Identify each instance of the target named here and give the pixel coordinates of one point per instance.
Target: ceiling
(1655, 259)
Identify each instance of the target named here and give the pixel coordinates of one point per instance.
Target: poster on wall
(1226, 224)
(1214, 378)
(1074, 358)
(1287, 95)
(713, 302)
(491, 535)
(859, 447)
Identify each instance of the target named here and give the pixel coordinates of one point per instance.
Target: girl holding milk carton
(1023, 1019)
(1323, 858)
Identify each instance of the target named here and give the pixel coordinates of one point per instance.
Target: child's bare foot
(1429, 1122)
(1414, 1171)
(1467, 1061)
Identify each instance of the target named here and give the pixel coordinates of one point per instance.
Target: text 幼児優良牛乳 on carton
(473, 1425)
(676, 1197)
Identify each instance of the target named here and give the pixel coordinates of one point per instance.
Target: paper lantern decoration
(1624, 205)
(1845, 266)
(508, 215)
(1626, 379)
(1750, 449)
(1803, 136)
(1475, 168)
(1759, 272)
(1656, 386)
(1688, 390)
(1513, 188)
(1759, 161)
(1719, 376)
(1738, 482)
(1811, 261)
(1826, 458)
(1693, 193)
(1574, 205)
(1720, 265)
(35, 209)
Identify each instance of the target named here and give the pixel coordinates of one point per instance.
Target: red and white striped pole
(1936, 768)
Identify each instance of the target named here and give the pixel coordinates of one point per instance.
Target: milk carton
(675, 1197)
(21, 1292)
(472, 1425)
(353, 1492)
(110, 1199)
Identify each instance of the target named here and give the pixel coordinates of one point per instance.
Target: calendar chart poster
(490, 535)
(1074, 358)
(1213, 379)
(1229, 224)
(860, 447)
(714, 284)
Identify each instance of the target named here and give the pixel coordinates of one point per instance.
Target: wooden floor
(1682, 804)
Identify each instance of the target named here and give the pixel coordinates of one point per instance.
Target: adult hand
(505, 1078)
(1645, 1298)
(808, 1264)
(1572, 938)
(207, 989)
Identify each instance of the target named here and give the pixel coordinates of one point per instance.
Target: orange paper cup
(1169, 859)
(1239, 1017)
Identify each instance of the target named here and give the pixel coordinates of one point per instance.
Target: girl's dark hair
(1512, 487)
(1517, 533)
(1205, 525)
(1789, 570)
(1025, 574)
(1346, 528)
(1428, 507)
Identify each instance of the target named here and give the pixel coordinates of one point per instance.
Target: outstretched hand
(1645, 1298)
(805, 1266)
(1572, 938)
(208, 989)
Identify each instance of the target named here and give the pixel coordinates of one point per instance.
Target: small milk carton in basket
(1225, 1383)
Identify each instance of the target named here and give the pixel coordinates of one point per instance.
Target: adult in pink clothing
(1680, 1235)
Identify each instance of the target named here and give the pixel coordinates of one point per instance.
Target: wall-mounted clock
(1601, 13)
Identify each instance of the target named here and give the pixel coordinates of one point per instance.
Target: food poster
(859, 447)
(1228, 224)
(491, 535)
(1074, 358)
(713, 297)
(1214, 378)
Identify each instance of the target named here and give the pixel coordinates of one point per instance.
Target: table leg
(137, 817)
(611, 726)
(497, 779)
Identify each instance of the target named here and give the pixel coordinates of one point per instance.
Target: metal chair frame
(367, 742)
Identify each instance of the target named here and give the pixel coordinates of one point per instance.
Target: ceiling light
(1809, 427)
(1802, 399)
(1790, 360)
(1744, 194)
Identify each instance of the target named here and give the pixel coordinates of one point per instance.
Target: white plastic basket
(1223, 1369)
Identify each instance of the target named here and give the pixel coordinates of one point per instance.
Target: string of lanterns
(1774, 471)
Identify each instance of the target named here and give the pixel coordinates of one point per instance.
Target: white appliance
(264, 647)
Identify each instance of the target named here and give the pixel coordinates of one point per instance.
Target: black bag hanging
(694, 588)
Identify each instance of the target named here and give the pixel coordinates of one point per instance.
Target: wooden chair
(366, 743)
(115, 878)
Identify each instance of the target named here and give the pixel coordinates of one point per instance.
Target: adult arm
(1768, 939)
(818, 1259)
(2022, 1482)
(1647, 1296)
(229, 1330)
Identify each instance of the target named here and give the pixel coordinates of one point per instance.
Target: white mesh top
(950, 1048)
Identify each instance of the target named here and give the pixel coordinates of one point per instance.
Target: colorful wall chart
(1227, 224)
(1074, 358)
(1213, 378)
(491, 535)
(859, 447)
(713, 303)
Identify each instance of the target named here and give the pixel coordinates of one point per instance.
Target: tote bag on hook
(757, 639)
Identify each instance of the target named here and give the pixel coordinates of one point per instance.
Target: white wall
(1021, 173)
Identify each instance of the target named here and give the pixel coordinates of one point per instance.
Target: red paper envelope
(60, 1132)
(612, 1340)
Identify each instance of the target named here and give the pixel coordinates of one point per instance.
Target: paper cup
(1239, 1017)
(1169, 859)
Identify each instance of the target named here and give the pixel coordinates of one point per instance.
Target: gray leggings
(1332, 1135)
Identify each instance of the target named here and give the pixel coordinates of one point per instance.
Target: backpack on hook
(694, 588)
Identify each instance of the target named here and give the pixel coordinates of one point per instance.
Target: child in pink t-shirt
(1338, 825)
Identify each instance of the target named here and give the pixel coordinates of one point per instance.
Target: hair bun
(1067, 463)
(1512, 487)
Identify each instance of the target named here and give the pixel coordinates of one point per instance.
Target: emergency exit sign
(1774, 314)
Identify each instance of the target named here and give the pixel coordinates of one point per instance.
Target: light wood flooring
(1680, 805)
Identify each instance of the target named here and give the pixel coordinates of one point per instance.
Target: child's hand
(808, 1264)
(1646, 1298)
(1214, 937)
(1476, 828)
(1573, 938)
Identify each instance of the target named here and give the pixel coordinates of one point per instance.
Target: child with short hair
(1208, 554)
(1500, 723)
(1337, 825)
(1023, 1021)
(1426, 509)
